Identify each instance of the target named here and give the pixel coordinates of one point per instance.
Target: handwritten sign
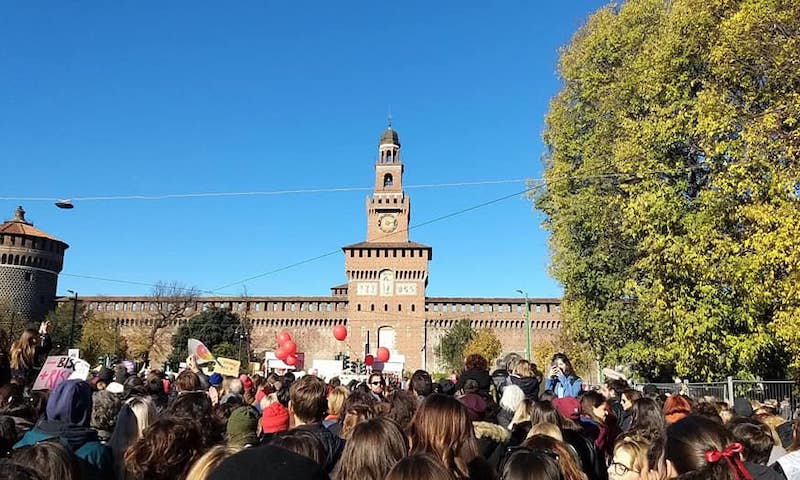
(227, 366)
(55, 370)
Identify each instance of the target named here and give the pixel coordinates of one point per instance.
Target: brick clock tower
(387, 274)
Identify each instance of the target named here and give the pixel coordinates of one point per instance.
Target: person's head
(708, 410)
(373, 448)
(512, 397)
(307, 399)
(50, 458)
(402, 405)
(418, 466)
(545, 412)
(613, 387)
(630, 458)
(648, 420)
(355, 414)
(421, 383)
(301, 442)
(193, 404)
(206, 464)
(234, 386)
(376, 383)
(105, 408)
(593, 405)
(12, 471)
(566, 460)
(755, 437)
(675, 408)
(703, 447)
(443, 428)
(629, 397)
(144, 411)
(562, 362)
(523, 369)
(242, 427)
(336, 400)
(548, 429)
(187, 381)
(166, 450)
(70, 402)
(475, 362)
(524, 464)
(24, 349)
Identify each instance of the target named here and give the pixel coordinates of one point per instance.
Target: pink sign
(54, 371)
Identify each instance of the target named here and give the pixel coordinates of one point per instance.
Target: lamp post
(527, 325)
(74, 311)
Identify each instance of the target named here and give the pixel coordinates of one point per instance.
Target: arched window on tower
(387, 180)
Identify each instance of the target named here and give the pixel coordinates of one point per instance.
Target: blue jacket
(564, 386)
(95, 459)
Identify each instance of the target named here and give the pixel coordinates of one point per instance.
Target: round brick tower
(30, 261)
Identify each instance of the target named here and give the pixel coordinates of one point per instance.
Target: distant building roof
(19, 226)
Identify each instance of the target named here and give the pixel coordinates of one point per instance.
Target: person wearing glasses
(630, 458)
(377, 386)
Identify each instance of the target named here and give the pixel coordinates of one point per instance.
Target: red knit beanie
(275, 418)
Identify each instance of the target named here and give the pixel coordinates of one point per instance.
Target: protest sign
(55, 370)
(227, 366)
(200, 351)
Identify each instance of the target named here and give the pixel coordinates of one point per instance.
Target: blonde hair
(547, 429)
(523, 369)
(23, 351)
(204, 465)
(336, 400)
(636, 447)
(523, 413)
(144, 411)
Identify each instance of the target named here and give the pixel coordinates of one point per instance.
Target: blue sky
(150, 98)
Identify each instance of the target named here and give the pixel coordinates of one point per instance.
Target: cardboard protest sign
(55, 370)
(227, 366)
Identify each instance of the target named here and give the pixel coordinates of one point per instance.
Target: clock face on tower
(387, 222)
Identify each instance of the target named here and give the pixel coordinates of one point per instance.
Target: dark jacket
(480, 376)
(592, 463)
(333, 444)
(529, 386)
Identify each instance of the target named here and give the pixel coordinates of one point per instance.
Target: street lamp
(74, 310)
(527, 325)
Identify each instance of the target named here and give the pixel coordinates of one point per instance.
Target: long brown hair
(420, 465)
(373, 448)
(23, 351)
(167, 449)
(443, 428)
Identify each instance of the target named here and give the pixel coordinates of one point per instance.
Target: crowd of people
(512, 423)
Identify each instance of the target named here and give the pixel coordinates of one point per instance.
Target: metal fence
(784, 392)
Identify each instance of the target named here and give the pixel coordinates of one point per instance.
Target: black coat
(480, 376)
(529, 386)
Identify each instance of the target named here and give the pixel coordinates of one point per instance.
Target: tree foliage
(100, 337)
(451, 346)
(60, 320)
(218, 328)
(672, 190)
(486, 344)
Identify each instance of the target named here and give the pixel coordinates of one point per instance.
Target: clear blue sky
(153, 98)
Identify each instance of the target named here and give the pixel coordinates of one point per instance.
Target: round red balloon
(290, 347)
(340, 332)
(284, 337)
(369, 360)
(281, 353)
(291, 360)
(383, 354)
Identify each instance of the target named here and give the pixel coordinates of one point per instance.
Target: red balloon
(383, 354)
(281, 353)
(340, 332)
(290, 347)
(291, 360)
(369, 360)
(284, 337)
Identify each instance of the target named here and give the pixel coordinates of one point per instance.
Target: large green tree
(219, 329)
(672, 190)
(450, 349)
